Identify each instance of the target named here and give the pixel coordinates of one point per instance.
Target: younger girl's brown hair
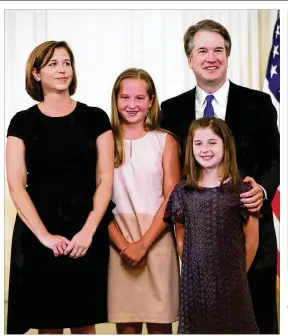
(229, 169)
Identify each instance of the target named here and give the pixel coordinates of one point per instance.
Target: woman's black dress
(61, 157)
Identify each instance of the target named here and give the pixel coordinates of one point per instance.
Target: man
(252, 118)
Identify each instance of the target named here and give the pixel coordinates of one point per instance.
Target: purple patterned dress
(214, 292)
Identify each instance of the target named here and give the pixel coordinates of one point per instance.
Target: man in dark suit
(252, 119)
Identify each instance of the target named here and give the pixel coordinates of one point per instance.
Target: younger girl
(143, 268)
(221, 236)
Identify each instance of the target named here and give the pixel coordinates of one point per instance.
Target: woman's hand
(56, 243)
(79, 244)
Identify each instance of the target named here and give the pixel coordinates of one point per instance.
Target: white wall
(105, 42)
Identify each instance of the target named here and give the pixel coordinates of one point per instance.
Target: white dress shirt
(219, 104)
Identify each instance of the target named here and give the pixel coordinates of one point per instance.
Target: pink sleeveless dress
(150, 293)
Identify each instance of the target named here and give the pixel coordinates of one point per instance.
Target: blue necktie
(209, 110)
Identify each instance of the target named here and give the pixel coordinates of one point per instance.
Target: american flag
(272, 86)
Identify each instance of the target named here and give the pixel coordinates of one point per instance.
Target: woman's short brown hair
(38, 58)
(206, 25)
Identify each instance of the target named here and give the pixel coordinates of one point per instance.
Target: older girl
(143, 269)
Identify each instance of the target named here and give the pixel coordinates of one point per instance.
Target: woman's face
(57, 74)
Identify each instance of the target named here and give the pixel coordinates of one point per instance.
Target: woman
(60, 174)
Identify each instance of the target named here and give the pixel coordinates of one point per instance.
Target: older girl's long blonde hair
(152, 120)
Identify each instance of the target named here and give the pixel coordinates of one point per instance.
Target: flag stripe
(276, 204)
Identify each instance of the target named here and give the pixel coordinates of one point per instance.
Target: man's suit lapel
(234, 110)
(191, 115)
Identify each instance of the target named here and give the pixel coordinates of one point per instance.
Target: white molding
(40, 26)
(136, 42)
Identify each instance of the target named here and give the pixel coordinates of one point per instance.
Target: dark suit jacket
(252, 119)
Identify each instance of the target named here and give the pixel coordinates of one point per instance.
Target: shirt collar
(220, 95)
